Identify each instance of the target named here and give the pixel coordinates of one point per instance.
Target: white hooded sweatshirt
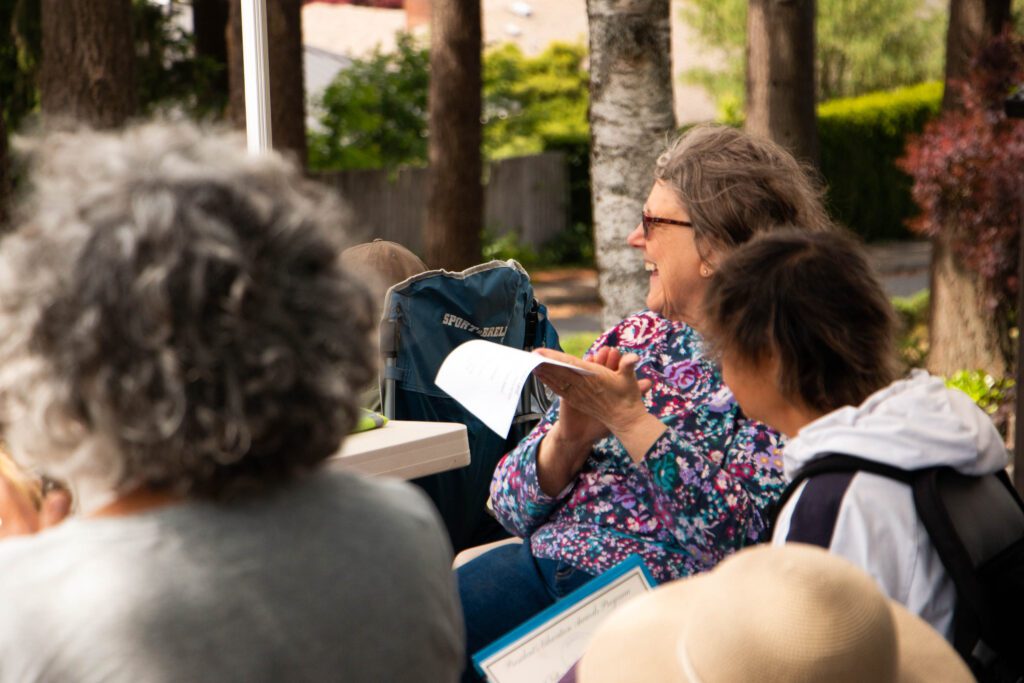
(913, 423)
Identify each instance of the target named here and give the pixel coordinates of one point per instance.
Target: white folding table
(405, 449)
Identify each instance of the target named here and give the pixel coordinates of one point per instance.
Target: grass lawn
(576, 344)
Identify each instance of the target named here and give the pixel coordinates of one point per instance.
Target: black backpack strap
(532, 319)
(829, 463)
(977, 527)
(976, 524)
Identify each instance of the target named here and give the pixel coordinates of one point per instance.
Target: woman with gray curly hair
(180, 344)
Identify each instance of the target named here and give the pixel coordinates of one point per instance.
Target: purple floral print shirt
(701, 491)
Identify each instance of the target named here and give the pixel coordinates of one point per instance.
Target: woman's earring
(705, 271)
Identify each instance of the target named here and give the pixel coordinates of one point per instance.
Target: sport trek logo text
(452, 320)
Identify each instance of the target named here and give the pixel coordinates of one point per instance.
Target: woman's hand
(611, 397)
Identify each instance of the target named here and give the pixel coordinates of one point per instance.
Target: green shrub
(508, 246)
(374, 113)
(861, 137)
(531, 102)
(912, 312)
(988, 392)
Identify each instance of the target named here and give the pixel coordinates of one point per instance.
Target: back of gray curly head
(173, 314)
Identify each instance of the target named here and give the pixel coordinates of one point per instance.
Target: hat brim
(924, 655)
(641, 642)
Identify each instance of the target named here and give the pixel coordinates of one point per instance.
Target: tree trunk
(210, 27)
(5, 178)
(963, 334)
(631, 118)
(87, 68)
(972, 23)
(455, 199)
(780, 74)
(287, 88)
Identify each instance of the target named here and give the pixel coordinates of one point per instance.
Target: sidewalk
(574, 305)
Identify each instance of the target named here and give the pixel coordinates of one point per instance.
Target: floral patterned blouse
(700, 492)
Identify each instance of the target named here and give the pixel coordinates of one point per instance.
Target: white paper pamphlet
(544, 648)
(487, 379)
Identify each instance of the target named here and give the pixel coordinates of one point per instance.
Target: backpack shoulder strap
(976, 524)
(829, 463)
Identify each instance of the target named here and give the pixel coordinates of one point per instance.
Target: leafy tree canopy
(374, 114)
(861, 46)
(531, 101)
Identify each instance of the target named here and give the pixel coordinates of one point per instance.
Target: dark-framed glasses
(648, 221)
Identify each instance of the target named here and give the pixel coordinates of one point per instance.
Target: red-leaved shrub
(968, 171)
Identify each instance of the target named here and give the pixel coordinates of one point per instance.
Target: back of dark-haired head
(812, 301)
(736, 185)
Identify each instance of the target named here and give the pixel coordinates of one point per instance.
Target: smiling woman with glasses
(649, 221)
(649, 455)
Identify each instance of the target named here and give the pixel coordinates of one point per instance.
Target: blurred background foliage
(167, 71)
(373, 115)
(861, 46)
(861, 138)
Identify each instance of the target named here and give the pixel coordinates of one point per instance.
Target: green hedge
(861, 137)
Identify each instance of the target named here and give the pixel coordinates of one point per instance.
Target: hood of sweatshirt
(914, 423)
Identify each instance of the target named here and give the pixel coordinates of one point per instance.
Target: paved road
(574, 306)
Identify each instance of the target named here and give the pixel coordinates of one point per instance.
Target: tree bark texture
(5, 178)
(455, 198)
(287, 87)
(963, 334)
(631, 121)
(87, 67)
(780, 74)
(972, 23)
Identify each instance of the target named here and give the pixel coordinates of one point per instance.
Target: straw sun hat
(792, 613)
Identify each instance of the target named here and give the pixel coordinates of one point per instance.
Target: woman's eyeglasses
(648, 221)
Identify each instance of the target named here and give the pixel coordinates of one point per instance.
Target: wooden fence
(526, 195)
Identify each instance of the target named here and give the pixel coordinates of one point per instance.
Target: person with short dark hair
(805, 337)
(181, 345)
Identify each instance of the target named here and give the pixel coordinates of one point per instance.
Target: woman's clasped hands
(608, 401)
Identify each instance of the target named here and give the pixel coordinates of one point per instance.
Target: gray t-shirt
(333, 578)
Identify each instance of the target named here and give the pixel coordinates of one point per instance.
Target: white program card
(544, 648)
(487, 379)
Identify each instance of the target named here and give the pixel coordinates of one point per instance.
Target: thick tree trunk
(210, 27)
(780, 74)
(631, 118)
(5, 178)
(963, 333)
(455, 199)
(87, 67)
(972, 23)
(287, 88)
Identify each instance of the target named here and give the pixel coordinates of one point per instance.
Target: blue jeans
(505, 587)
